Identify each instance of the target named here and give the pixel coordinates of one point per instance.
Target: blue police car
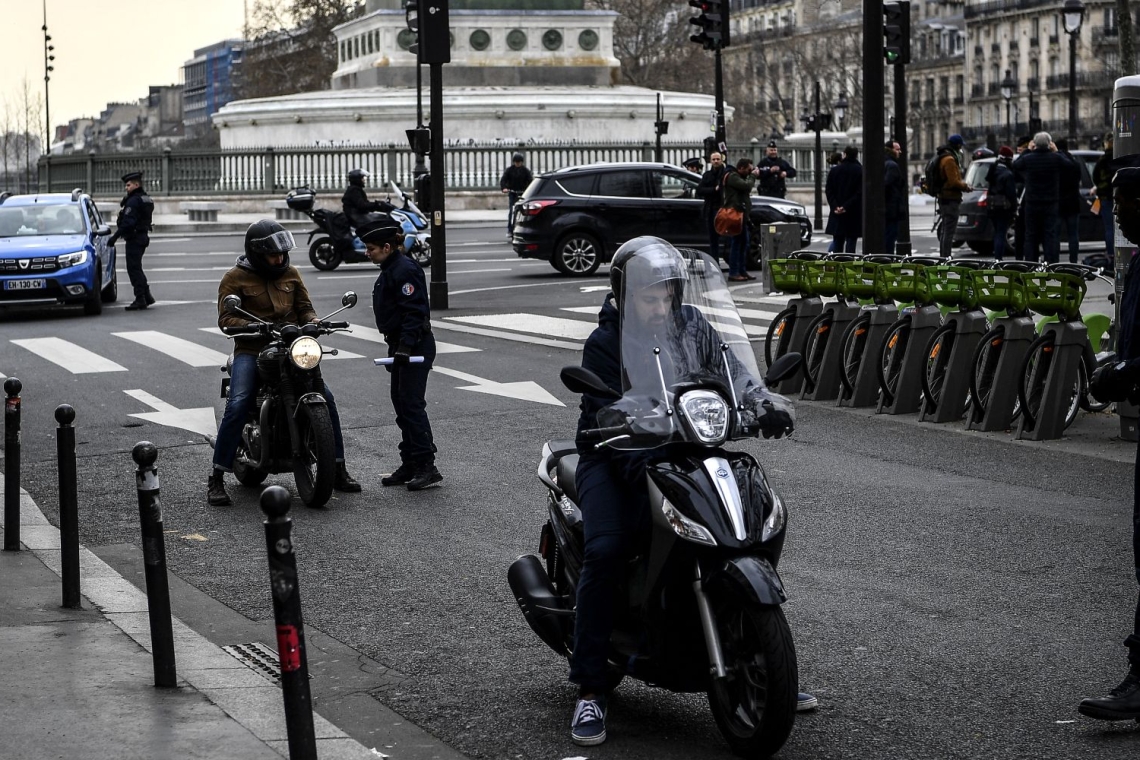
(53, 250)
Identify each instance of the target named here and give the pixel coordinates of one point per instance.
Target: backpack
(932, 177)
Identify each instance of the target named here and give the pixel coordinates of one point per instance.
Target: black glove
(111, 240)
(1114, 382)
(403, 355)
(777, 421)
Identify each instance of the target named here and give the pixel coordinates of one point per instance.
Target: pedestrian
(355, 201)
(273, 291)
(1117, 382)
(514, 182)
(711, 189)
(833, 160)
(950, 196)
(400, 303)
(845, 200)
(1023, 144)
(894, 189)
(737, 195)
(1040, 169)
(1001, 199)
(1070, 204)
(694, 165)
(136, 210)
(773, 173)
(1102, 190)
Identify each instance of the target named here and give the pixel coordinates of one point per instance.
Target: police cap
(132, 177)
(1128, 181)
(380, 231)
(693, 162)
(772, 144)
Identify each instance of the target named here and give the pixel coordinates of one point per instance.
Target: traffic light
(896, 32)
(713, 23)
(429, 20)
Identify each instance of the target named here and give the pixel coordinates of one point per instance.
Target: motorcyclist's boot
(401, 476)
(426, 475)
(216, 491)
(1122, 703)
(344, 482)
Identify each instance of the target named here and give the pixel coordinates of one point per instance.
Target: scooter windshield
(680, 330)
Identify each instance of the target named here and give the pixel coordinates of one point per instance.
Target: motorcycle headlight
(305, 352)
(686, 528)
(72, 259)
(776, 519)
(707, 415)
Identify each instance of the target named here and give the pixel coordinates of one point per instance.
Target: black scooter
(699, 608)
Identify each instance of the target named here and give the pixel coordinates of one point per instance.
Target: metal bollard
(154, 564)
(68, 506)
(12, 387)
(290, 628)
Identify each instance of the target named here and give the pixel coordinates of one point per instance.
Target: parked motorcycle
(699, 609)
(290, 429)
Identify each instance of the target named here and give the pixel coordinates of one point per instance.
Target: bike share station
(821, 365)
(952, 285)
(1126, 135)
(903, 366)
(1010, 337)
(865, 279)
(790, 276)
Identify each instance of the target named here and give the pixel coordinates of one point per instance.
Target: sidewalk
(80, 683)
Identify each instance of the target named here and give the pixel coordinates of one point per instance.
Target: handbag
(999, 202)
(729, 222)
(1095, 206)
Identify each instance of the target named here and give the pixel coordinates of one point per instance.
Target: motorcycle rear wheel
(421, 254)
(245, 473)
(755, 706)
(323, 254)
(316, 470)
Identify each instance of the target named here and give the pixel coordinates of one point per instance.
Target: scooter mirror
(232, 304)
(348, 300)
(783, 368)
(582, 380)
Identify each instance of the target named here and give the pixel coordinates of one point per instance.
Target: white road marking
(374, 275)
(526, 390)
(555, 327)
(200, 420)
(341, 353)
(75, 359)
(514, 287)
(372, 335)
(594, 288)
(582, 309)
(177, 348)
(506, 336)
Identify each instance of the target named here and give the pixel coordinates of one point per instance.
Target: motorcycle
(290, 429)
(699, 608)
(334, 242)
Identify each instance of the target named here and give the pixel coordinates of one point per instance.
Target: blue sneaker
(806, 702)
(588, 726)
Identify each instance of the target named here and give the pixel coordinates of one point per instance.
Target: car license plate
(25, 285)
(963, 220)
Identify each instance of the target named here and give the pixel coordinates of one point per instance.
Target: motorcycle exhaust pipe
(543, 609)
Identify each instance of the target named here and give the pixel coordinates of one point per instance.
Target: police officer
(773, 173)
(133, 226)
(355, 201)
(400, 301)
(1117, 382)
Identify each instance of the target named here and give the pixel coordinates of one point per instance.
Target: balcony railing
(1034, 41)
(1105, 34)
(979, 50)
(1084, 79)
(1054, 39)
(1002, 6)
(1033, 84)
(995, 47)
(977, 91)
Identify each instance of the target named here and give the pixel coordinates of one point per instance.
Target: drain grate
(257, 657)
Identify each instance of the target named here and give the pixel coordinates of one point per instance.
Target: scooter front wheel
(421, 253)
(323, 254)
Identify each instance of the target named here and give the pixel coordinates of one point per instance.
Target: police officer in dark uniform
(355, 202)
(773, 172)
(400, 302)
(133, 226)
(1117, 382)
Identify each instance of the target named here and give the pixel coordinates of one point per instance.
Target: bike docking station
(900, 357)
(823, 347)
(946, 381)
(863, 279)
(1001, 351)
(789, 331)
(1055, 294)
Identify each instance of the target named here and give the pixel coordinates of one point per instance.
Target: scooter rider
(355, 202)
(271, 290)
(647, 277)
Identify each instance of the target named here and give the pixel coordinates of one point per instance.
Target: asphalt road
(953, 594)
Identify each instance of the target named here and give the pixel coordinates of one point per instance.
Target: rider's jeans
(242, 397)
(615, 510)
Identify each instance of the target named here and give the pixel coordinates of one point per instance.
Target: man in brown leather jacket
(272, 290)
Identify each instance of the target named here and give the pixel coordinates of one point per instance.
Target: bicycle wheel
(818, 333)
(779, 333)
(937, 360)
(985, 363)
(890, 357)
(853, 346)
(1035, 371)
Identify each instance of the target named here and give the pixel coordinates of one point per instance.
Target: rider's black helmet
(267, 238)
(982, 153)
(357, 176)
(647, 260)
(518, 157)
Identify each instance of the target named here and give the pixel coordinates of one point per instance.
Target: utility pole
(896, 49)
(713, 35)
(48, 68)
(874, 232)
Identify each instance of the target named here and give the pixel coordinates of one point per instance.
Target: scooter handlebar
(390, 360)
(243, 330)
(602, 434)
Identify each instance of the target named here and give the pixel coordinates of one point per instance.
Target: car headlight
(789, 210)
(305, 352)
(686, 528)
(72, 259)
(776, 519)
(707, 415)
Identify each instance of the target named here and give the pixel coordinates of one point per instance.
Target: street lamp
(1072, 13)
(841, 107)
(1008, 87)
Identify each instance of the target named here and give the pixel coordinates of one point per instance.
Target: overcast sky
(106, 50)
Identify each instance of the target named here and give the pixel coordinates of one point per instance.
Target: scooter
(417, 229)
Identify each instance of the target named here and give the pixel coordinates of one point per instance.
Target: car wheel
(578, 254)
(110, 293)
(93, 305)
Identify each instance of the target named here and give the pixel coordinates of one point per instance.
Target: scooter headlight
(305, 352)
(776, 519)
(686, 528)
(707, 415)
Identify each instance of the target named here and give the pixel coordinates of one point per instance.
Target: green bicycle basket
(1000, 290)
(788, 275)
(950, 285)
(860, 279)
(822, 277)
(903, 282)
(1054, 293)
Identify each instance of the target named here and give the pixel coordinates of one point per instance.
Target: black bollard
(154, 564)
(290, 628)
(12, 388)
(68, 506)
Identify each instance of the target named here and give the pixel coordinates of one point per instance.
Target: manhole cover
(258, 657)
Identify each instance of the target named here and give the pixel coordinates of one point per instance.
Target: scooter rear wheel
(323, 254)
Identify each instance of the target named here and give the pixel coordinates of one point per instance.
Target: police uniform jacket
(357, 206)
(135, 212)
(400, 301)
(281, 301)
(771, 183)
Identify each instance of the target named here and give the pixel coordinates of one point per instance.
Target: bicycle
(905, 281)
(825, 279)
(863, 280)
(788, 276)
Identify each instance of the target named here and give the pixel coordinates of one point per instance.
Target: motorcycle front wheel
(323, 254)
(755, 705)
(315, 470)
(421, 253)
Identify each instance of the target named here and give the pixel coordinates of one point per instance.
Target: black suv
(576, 218)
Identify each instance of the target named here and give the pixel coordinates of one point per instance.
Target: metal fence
(273, 171)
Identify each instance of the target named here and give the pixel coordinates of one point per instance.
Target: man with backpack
(944, 181)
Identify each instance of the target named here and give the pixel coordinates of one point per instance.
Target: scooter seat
(565, 471)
